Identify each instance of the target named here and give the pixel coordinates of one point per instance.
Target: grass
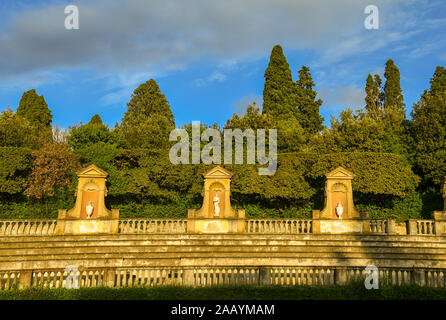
(352, 291)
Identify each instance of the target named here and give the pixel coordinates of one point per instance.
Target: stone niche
(216, 214)
(89, 215)
(339, 214)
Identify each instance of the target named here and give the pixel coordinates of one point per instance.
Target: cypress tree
(438, 81)
(307, 105)
(148, 119)
(146, 101)
(393, 94)
(96, 120)
(394, 111)
(278, 91)
(373, 97)
(34, 108)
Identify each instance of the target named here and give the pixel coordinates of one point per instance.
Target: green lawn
(352, 291)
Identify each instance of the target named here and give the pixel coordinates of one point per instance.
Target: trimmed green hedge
(143, 183)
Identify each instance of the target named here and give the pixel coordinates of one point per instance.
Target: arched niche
(339, 195)
(217, 196)
(90, 196)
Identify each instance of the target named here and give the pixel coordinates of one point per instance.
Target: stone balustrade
(152, 226)
(282, 226)
(426, 227)
(379, 226)
(216, 276)
(421, 227)
(27, 227)
(9, 279)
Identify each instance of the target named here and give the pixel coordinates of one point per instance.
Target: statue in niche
(89, 209)
(216, 202)
(339, 210)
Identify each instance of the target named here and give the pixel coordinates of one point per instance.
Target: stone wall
(202, 259)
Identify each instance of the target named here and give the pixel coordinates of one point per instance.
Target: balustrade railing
(425, 227)
(9, 279)
(41, 227)
(68, 278)
(292, 226)
(294, 276)
(216, 276)
(379, 226)
(152, 225)
(44, 227)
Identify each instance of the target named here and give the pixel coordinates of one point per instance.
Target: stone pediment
(340, 173)
(218, 173)
(92, 172)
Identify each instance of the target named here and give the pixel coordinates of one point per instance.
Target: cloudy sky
(209, 56)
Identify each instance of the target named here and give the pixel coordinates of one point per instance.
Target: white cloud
(216, 76)
(119, 39)
(339, 98)
(161, 34)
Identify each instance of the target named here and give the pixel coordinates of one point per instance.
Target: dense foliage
(398, 163)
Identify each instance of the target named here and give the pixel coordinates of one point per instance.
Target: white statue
(89, 208)
(216, 201)
(339, 210)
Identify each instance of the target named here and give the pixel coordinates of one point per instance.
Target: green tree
(35, 109)
(278, 92)
(252, 119)
(374, 97)
(146, 101)
(427, 131)
(16, 131)
(53, 167)
(394, 107)
(438, 81)
(352, 132)
(15, 165)
(148, 119)
(92, 133)
(307, 105)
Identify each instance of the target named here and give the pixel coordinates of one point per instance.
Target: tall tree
(393, 95)
(394, 109)
(374, 97)
(307, 105)
(34, 108)
(438, 81)
(278, 98)
(146, 101)
(148, 119)
(427, 130)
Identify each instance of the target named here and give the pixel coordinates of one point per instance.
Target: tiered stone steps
(207, 250)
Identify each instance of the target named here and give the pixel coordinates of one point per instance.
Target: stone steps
(145, 250)
(11, 251)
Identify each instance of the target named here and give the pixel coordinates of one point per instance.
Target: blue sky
(209, 56)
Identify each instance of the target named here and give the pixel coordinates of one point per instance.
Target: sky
(209, 57)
